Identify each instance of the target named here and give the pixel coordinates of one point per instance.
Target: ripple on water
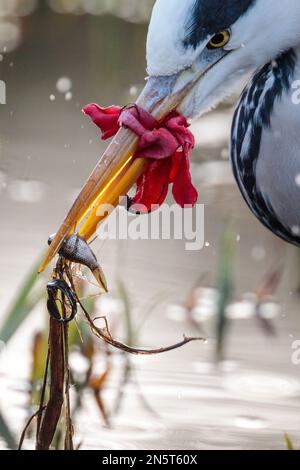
(104, 444)
(261, 385)
(202, 367)
(139, 427)
(250, 422)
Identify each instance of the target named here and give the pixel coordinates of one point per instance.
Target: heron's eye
(219, 40)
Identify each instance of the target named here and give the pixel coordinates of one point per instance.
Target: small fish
(77, 250)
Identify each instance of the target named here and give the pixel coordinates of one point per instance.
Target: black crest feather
(208, 17)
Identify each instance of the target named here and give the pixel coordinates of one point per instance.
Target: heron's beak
(117, 171)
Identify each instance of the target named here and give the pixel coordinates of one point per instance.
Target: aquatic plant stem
(43, 393)
(57, 375)
(69, 425)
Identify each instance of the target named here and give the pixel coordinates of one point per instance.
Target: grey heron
(196, 52)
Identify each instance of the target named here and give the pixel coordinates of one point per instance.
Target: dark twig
(105, 335)
(123, 347)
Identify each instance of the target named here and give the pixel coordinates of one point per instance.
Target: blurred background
(241, 390)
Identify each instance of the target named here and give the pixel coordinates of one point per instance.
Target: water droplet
(68, 96)
(207, 244)
(52, 97)
(1, 58)
(238, 238)
(133, 90)
(296, 230)
(64, 85)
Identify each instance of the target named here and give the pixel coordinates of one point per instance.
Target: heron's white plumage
(165, 52)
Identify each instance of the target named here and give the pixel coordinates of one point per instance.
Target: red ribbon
(167, 144)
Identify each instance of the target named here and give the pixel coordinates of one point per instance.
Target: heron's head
(198, 49)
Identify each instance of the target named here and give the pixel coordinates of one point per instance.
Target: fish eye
(219, 40)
